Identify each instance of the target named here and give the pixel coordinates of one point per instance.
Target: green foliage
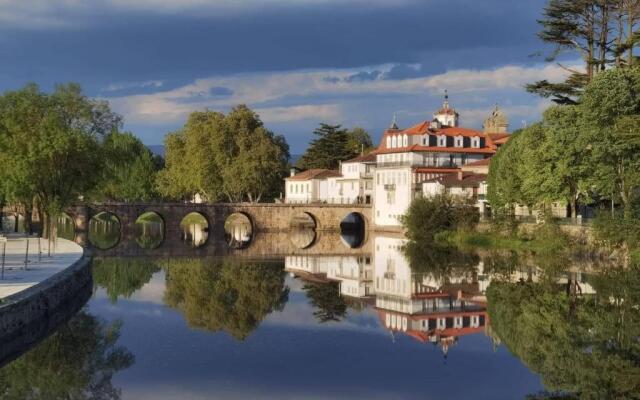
(582, 345)
(129, 170)
(427, 216)
(76, 362)
(122, 277)
(617, 230)
(49, 145)
(332, 145)
(223, 295)
(326, 299)
(231, 157)
(359, 140)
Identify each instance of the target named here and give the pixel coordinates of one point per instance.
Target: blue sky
(297, 62)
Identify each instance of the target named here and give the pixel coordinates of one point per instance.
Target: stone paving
(40, 265)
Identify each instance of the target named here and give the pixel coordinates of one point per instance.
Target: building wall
(393, 195)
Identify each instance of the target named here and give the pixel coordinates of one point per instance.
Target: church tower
(446, 115)
(496, 123)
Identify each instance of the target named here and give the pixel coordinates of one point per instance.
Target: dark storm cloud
(141, 46)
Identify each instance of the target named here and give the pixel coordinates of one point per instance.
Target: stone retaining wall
(33, 314)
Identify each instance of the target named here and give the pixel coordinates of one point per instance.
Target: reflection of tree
(586, 345)
(225, 295)
(76, 362)
(438, 261)
(122, 277)
(327, 300)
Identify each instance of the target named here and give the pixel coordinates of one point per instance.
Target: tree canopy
(332, 145)
(224, 157)
(602, 32)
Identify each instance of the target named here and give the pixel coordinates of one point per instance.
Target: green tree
(332, 145)
(76, 362)
(223, 295)
(359, 140)
(602, 32)
(428, 216)
(231, 157)
(49, 146)
(129, 170)
(611, 108)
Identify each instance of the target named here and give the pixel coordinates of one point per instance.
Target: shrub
(428, 216)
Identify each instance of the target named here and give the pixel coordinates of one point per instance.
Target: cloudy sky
(297, 62)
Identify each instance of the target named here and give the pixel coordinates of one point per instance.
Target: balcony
(390, 187)
(394, 164)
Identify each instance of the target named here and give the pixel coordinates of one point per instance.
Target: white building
(407, 158)
(310, 186)
(355, 185)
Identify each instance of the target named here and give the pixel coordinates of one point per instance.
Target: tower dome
(447, 115)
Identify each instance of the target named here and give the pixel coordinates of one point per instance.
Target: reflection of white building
(354, 274)
(417, 305)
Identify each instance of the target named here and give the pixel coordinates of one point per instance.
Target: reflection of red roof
(314, 174)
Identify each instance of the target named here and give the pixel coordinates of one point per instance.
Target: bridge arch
(150, 229)
(239, 229)
(105, 230)
(195, 227)
(353, 229)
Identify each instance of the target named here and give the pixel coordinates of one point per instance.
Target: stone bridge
(265, 218)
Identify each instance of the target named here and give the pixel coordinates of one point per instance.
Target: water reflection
(238, 231)
(257, 319)
(302, 230)
(104, 230)
(149, 230)
(76, 362)
(352, 230)
(195, 229)
(225, 295)
(65, 227)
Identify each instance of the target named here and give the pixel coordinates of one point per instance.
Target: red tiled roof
(370, 157)
(435, 149)
(314, 174)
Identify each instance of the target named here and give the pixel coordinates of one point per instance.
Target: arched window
(394, 141)
(442, 141)
(388, 141)
(405, 140)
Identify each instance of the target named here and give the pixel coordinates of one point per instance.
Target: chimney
(292, 172)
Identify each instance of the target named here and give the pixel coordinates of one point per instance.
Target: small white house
(355, 185)
(310, 186)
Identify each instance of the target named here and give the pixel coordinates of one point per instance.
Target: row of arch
(105, 230)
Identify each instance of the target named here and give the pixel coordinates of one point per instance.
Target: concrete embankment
(33, 313)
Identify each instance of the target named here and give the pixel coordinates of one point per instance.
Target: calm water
(272, 320)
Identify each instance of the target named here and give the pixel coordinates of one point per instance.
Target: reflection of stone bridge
(265, 218)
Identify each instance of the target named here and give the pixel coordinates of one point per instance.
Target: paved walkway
(39, 267)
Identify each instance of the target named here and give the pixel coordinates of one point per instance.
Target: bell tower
(447, 115)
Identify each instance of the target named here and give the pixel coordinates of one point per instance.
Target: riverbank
(44, 296)
(39, 265)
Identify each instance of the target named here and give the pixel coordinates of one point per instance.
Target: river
(324, 315)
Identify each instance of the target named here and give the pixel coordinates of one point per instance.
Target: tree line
(583, 153)
(61, 147)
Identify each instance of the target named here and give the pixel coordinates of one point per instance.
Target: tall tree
(332, 145)
(49, 145)
(359, 140)
(224, 157)
(601, 31)
(129, 170)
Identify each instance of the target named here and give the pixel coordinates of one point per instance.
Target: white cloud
(259, 89)
(114, 87)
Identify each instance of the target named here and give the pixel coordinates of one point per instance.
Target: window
(388, 141)
(475, 142)
(442, 141)
(405, 140)
(459, 141)
(394, 141)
